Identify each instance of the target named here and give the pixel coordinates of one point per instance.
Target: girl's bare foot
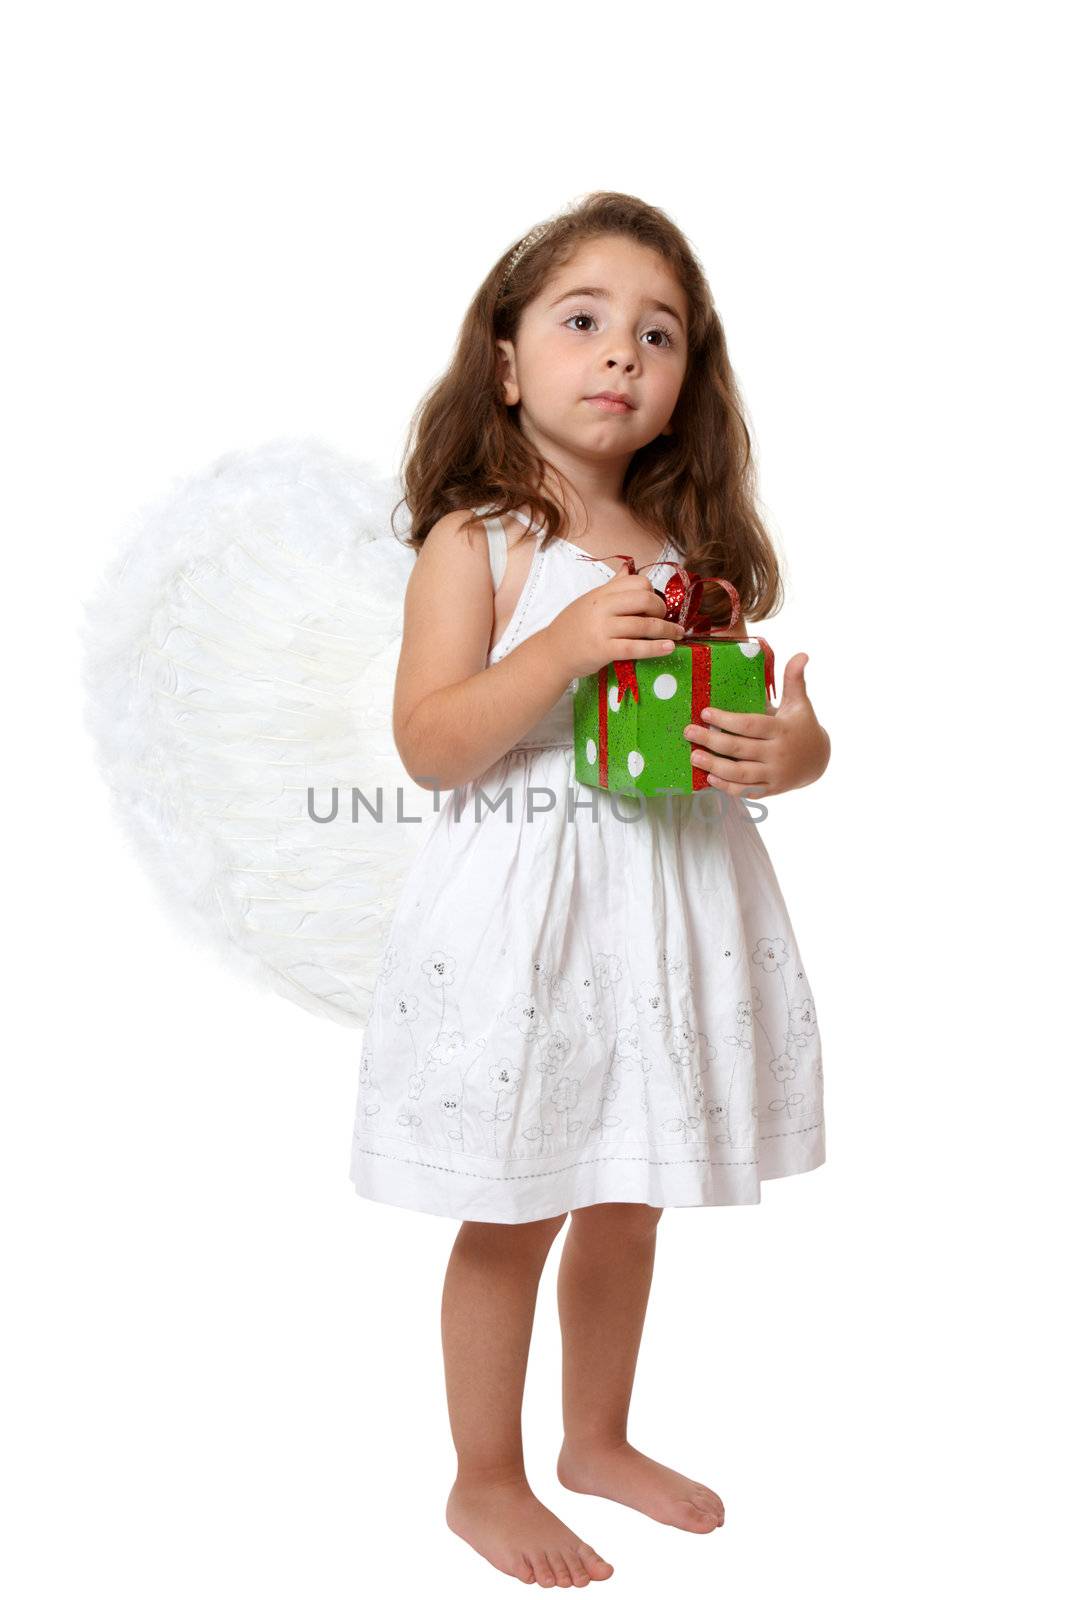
(619, 1472)
(507, 1524)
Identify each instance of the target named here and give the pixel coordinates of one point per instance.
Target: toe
(542, 1570)
(579, 1576)
(524, 1571)
(701, 1519)
(594, 1564)
(560, 1569)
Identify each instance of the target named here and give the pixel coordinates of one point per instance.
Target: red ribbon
(682, 595)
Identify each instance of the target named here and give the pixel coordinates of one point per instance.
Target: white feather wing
(241, 650)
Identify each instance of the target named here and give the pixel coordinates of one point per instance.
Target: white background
(231, 222)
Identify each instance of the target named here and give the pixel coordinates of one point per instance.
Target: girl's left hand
(785, 748)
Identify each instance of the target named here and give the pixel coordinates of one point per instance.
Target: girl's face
(613, 318)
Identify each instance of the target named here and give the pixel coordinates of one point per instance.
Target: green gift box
(629, 717)
(638, 745)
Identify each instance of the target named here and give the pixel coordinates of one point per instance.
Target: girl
(583, 1010)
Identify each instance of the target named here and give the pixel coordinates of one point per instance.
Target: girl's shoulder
(471, 528)
(472, 541)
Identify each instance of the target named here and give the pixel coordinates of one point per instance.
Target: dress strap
(498, 547)
(498, 550)
(520, 516)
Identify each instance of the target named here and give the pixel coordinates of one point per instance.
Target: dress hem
(386, 1171)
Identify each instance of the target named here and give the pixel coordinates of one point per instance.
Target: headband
(521, 248)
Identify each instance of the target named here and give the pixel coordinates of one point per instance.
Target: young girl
(585, 1009)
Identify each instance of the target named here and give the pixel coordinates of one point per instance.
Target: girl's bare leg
(604, 1280)
(487, 1311)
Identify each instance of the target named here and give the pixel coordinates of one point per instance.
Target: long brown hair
(695, 485)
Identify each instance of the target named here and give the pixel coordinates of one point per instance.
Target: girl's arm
(452, 715)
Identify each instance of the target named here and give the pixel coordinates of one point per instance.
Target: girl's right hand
(621, 620)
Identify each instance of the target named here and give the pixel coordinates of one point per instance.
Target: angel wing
(239, 660)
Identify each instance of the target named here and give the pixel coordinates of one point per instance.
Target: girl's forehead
(614, 258)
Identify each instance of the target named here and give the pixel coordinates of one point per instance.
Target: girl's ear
(506, 371)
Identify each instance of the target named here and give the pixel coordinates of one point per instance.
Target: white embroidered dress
(585, 997)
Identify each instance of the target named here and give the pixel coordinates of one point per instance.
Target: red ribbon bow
(682, 595)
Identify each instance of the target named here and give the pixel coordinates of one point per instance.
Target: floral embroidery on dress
(772, 956)
(577, 1056)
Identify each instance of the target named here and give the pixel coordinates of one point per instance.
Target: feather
(239, 652)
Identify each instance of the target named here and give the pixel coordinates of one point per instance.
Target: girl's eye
(587, 316)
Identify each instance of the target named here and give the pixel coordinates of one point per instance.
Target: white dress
(578, 1007)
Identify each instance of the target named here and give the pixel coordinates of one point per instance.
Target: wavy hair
(695, 485)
